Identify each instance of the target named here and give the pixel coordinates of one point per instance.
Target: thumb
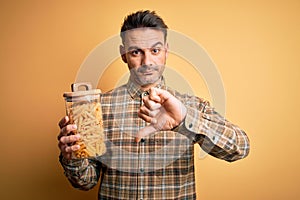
(144, 132)
(154, 94)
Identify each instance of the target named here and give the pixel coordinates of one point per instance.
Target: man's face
(145, 53)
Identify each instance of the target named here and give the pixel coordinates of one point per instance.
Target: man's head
(144, 47)
(143, 19)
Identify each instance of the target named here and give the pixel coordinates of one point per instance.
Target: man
(150, 128)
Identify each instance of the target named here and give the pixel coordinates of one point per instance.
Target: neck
(150, 85)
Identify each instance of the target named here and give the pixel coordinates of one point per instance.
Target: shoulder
(118, 91)
(115, 90)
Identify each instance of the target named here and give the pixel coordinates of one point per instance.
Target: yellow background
(255, 45)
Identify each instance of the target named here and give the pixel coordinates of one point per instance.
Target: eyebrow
(136, 47)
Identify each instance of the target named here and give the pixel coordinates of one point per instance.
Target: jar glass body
(84, 110)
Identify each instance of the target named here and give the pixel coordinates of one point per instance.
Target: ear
(123, 53)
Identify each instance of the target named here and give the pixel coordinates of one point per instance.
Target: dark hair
(143, 19)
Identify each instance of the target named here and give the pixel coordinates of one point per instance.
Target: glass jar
(83, 108)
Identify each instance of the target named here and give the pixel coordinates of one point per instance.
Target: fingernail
(137, 139)
(76, 147)
(74, 126)
(77, 136)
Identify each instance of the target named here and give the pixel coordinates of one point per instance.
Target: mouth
(146, 70)
(147, 73)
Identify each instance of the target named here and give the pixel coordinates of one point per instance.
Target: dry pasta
(88, 118)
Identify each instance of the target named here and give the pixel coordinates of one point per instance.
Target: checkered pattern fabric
(161, 166)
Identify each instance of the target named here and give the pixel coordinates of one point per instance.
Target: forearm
(217, 136)
(82, 173)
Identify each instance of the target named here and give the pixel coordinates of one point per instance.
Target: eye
(155, 51)
(135, 52)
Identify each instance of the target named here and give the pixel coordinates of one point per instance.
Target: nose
(147, 59)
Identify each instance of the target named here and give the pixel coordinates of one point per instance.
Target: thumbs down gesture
(162, 111)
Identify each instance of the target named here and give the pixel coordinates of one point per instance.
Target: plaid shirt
(161, 166)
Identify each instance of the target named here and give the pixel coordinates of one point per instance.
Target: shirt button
(142, 140)
(142, 170)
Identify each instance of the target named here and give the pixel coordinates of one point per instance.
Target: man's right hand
(65, 140)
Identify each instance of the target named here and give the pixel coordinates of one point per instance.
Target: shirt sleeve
(216, 136)
(82, 173)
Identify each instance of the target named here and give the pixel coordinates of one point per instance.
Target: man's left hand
(162, 110)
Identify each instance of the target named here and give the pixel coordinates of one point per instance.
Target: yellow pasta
(88, 118)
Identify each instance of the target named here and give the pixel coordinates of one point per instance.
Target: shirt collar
(135, 90)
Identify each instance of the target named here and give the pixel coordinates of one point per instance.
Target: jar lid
(77, 90)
